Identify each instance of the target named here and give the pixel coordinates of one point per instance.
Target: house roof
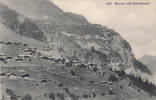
(43, 81)
(2, 74)
(25, 75)
(9, 74)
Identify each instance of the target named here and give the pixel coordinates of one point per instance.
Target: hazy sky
(136, 24)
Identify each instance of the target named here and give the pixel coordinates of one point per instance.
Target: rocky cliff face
(71, 37)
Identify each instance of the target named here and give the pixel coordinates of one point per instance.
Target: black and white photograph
(77, 50)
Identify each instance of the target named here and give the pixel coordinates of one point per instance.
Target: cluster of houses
(12, 75)
(4, 58)
(24, 76)
(70, 63)
(27, 53)
(14, 43)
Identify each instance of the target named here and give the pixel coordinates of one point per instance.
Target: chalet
(91, 66)
(68, 64)
(63, 61)
(60, 85)
(60, 61)
(44, 81)
(75, 62)
(17, 43)
(73, 73)
(82, 66)
(8, 43)
(75, 88)
(25, 45)
(113, 78)
(36, 69)
(115, 67)
(29, 51)
(67, 34)
(19, 59)
(118, 77)
(8, 58)
(46, 58)
(24, 56)
(2, 59)
(110, 83)
(27, 56)
(11, 75)
(46, 49)
(2, 74)
(25, 75)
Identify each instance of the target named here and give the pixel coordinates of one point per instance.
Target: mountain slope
(147, 59)
(47, 11)
(7, 35)
(72, 40)
(150, 61)
(59, 53)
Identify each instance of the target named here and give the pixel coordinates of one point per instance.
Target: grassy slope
(8, 35)
(56, 74)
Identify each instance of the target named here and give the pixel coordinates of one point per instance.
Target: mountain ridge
(150, 61)
(48, 10)
(65, 57)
